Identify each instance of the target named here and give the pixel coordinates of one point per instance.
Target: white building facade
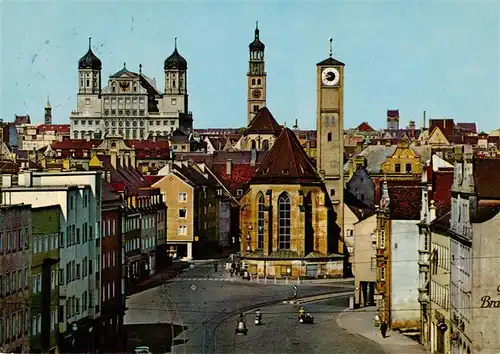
(79, 195)
(131, 105)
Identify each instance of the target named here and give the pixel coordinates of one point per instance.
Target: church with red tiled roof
(286, 218)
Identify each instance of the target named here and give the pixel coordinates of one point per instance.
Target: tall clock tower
(330, 130)
(256, 76)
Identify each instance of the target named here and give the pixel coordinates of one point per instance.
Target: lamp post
(249, 238)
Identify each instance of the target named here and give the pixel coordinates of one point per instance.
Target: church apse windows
(284, 222)
(260, 221)
(329, 137)
(253, 145)
(265, 145)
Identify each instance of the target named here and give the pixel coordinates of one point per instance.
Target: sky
(441, 57)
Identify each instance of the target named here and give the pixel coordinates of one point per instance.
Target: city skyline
(407, 56)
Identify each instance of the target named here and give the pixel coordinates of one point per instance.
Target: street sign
(193, 287)
(295, 287)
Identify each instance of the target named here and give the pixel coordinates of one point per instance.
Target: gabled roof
(124, 72)
(286, 162)
(330, 61)
(365, 127)
(264, 123)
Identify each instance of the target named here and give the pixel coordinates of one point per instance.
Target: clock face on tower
(330, 77)
(256, 94)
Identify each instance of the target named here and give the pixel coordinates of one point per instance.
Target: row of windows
(108, 291)
(397, 167)
(461, 301)
(14, 281)
(85, 200)
(126, 112)
(440, 295)
(14, 325)
(45, 243)
(148, 242)
(108, 259)
(14, 240)
(109, 227)
(131, 245)
(265, 145)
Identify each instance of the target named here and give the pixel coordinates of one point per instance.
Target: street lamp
(249, 249)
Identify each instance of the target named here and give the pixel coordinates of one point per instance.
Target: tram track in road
(318, 297)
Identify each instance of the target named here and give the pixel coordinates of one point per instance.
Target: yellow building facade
(286, 220)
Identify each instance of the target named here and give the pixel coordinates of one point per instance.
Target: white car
(142, 350)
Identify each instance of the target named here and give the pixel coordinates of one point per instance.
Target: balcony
(423, 295)
(423, 259)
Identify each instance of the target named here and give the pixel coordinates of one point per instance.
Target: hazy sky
(412, 56)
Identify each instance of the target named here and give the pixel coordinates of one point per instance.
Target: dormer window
(239, 192)
(113, 87)
(284, 171)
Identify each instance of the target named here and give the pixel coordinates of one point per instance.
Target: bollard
(298, 280)
(286, 280)
(257, 278)
(265, 279)
(275, 279)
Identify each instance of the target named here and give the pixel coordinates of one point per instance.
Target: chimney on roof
(229, 167)
(108, 176)
(253, 159)
(411, 128)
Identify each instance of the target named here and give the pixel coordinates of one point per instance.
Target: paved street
(282, 333)
(360, 322)
(202, 301)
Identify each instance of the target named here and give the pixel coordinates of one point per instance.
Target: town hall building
(131, 105)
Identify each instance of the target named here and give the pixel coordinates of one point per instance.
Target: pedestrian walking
(383, 328)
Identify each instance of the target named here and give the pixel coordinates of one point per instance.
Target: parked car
(143, 349)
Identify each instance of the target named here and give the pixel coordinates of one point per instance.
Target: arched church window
(265, 145)
(253, 144)
(284, 222)
(88, 82)
(329, 137)
(253, 82)
(113, 87)
(135, 87)
(260, 221)
(173, 83)
(258, 81)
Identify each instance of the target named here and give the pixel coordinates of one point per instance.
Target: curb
(315, 298)
(355, 333)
